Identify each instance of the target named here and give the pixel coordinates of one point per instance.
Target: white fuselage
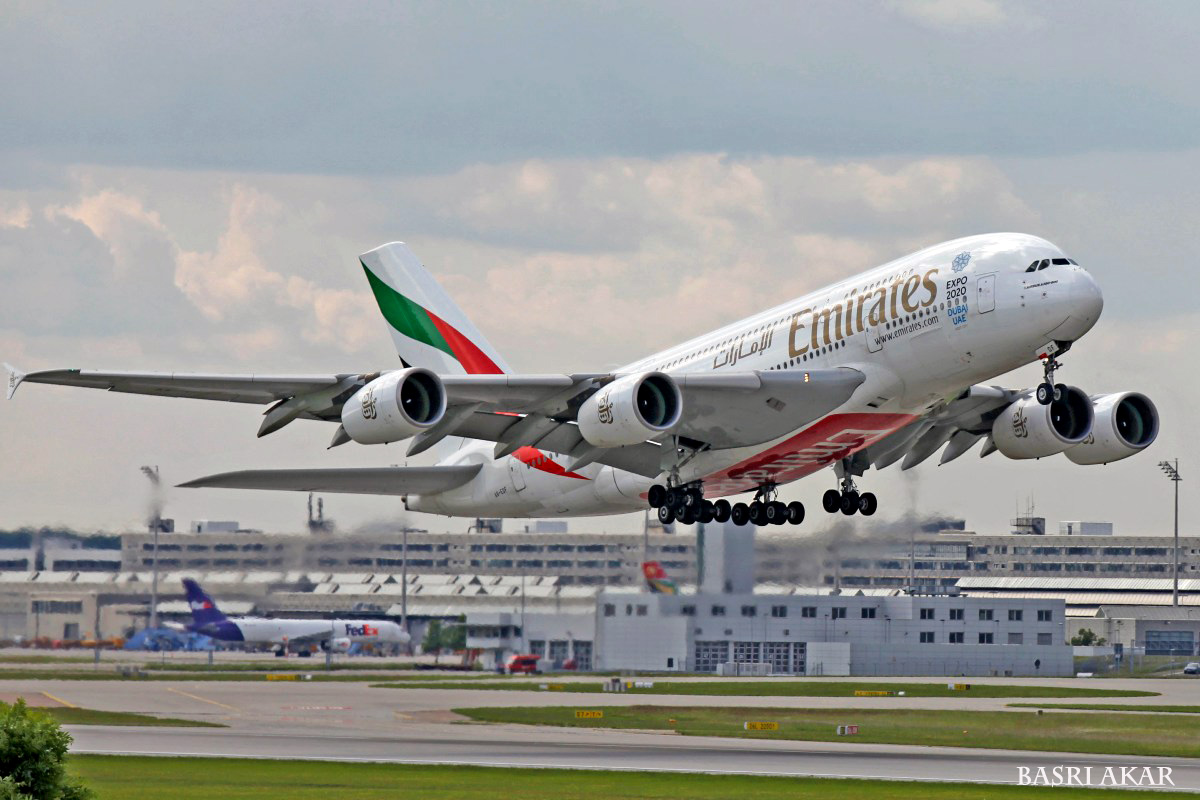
(920, 328)
(282, 631)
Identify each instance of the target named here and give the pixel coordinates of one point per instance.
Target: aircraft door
(874, 340)
(985, 290)
(516, 471)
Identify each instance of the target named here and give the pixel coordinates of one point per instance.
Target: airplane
(888, 366)
(337, 635)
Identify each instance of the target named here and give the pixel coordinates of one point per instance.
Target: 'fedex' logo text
(361, 630)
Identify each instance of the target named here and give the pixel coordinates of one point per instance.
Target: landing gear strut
(848, 500)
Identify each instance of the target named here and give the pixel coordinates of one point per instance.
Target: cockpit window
(1062, 261)
(1045, 262)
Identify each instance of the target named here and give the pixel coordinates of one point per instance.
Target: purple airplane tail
(204, 611)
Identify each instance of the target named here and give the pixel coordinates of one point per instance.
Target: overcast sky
(186, 187)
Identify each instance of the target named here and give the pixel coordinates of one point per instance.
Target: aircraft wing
(721, 410)
(379, 480)
(958, 424)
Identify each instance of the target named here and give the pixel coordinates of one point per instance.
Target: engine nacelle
(394, 406)
(1126, 423)
(630, 410)
(1028, 429)
(341, 645)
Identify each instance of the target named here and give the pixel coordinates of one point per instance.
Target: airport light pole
(156, 525)
(1172, 473)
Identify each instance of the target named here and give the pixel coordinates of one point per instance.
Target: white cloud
(16, 217)
(568, 265)
(950, 13)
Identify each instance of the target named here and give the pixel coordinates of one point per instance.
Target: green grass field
(1124, 734)
(785, 688)
(286, 665)
(107, 672)
(86, 716)
(137, 778)
(1111, 707)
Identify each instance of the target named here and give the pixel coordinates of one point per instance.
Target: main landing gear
(848, 500)
(687, 504)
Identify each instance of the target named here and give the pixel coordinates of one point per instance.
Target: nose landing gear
(1048, 391)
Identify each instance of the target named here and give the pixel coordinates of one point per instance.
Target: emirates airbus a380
(886, 366)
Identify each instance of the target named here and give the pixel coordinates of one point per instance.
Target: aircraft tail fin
(429, 328)
(657, 578)
(204, 610)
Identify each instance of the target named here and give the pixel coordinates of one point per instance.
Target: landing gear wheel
(657, 496)
(756, 513)
(867, 504)
(1060, 391)
(831, 501)
(849, 503)
(693, 498)
(795, 512)
(721, 511)
(707, 512)
(776, 513)
(675, 497)
(665, 515)
(689, 515)
(739, 514)
(1045, 394)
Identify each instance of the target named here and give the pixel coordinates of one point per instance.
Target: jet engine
(631, 409)
(1126, 423)
(394, 406)
(1027, 429)
(341, 645)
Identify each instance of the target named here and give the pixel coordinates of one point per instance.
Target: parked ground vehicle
(523, 665)
(1192, 668)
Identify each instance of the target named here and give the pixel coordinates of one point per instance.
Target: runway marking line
(204, 699)
(60, 700)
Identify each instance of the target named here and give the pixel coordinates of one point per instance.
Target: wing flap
(740, 409)
(368, 480)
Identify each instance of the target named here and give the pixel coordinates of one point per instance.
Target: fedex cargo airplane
(888, 366)
(338, 634)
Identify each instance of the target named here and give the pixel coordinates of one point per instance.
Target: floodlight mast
(1172, 473)
(155, 527)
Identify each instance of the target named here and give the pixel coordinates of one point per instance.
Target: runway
(352, 722)
(517, 746)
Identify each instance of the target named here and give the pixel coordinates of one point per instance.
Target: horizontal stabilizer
(368, 480)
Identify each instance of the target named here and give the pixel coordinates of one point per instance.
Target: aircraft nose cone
(1088, 300)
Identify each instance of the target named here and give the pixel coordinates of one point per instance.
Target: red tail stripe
(474, 360)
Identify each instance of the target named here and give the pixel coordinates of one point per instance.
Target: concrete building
(941, 560)
(825, 631)
(582, 559)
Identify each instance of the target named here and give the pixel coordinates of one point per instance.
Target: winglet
(15, 376)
